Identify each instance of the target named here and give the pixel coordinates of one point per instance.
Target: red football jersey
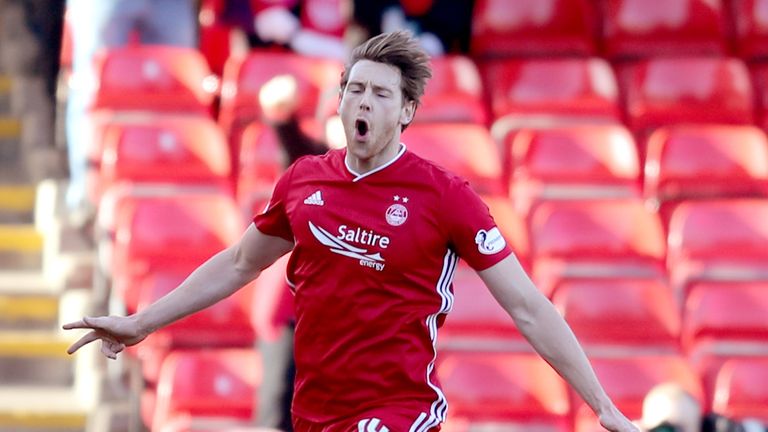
(371, 268)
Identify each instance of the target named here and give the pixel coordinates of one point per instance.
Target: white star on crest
(397, 197)
(405, 199)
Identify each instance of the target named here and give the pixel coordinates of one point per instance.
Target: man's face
(372, 109)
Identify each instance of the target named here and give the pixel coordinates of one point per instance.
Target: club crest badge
(396, 214)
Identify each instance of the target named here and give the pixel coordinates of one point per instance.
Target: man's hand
(115, 334)
(279, 98)
(615, 421)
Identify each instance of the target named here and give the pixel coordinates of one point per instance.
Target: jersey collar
(359, 177)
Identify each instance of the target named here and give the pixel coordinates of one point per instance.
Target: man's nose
(365, 100)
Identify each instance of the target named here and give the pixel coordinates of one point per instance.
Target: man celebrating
(376, 233)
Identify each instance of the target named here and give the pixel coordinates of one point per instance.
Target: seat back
(154, 78)
(750, 27)
(740, 390)
(572, 162)
(725, 312)
(464, 149)
(671, 90)
(454, 93)
(533, 27)
(636, 314)
(561, 88)
(706, 161)
(628, 379)
(599, 229)
(182, 150)
(502, 386)
(639, 28)
(208, 383)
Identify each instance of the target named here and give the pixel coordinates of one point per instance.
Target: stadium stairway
(44, 281)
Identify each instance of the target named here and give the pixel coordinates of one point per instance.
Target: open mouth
(361, 126)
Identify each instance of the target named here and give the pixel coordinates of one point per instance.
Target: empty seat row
(534, 164)
(619, 28)
(645, 94)
(614, 250)
(207, 390)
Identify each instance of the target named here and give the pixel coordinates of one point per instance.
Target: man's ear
(406, 114)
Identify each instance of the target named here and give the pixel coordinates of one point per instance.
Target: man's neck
(363, 166)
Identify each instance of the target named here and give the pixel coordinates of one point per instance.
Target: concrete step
(23, 310)
(21, 238)
(11, 158)
(25, 408)
(26, 282)
(36, 372)
(17, 203)
(34, 344)
(5, 94)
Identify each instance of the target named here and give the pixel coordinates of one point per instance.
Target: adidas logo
(315, 199)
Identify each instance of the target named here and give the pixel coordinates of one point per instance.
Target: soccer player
(376, 233)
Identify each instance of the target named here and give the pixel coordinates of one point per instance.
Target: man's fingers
(88, 338)
(87, 322)
(75, 325)
(106, 349)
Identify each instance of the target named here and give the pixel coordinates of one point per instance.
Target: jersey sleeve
(472, 232)
(274, 219)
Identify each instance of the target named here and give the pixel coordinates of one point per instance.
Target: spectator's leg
(276, 390)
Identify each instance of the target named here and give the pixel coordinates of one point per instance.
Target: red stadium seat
(464, 149)
(718, 240)
(219, 383)
(503, 387)
(705, 161)
(740, 390)
(262, 161)
(533, 27)
(726, 311)
(667, 91)
(595, 239)
(181, 150)
(641, 28)
(243, 78)
(572, 162)
(179, 230)
(534, 92)
(477, 321)
(226, 324)
(512, 226)
(154, 78)
(638, 314)
(750, 27)
(454, 93)
(627, 379)
(723, 321)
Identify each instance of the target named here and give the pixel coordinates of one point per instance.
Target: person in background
(275, 318)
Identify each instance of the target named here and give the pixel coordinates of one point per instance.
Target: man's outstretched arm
(549, 334)
(214, 280)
